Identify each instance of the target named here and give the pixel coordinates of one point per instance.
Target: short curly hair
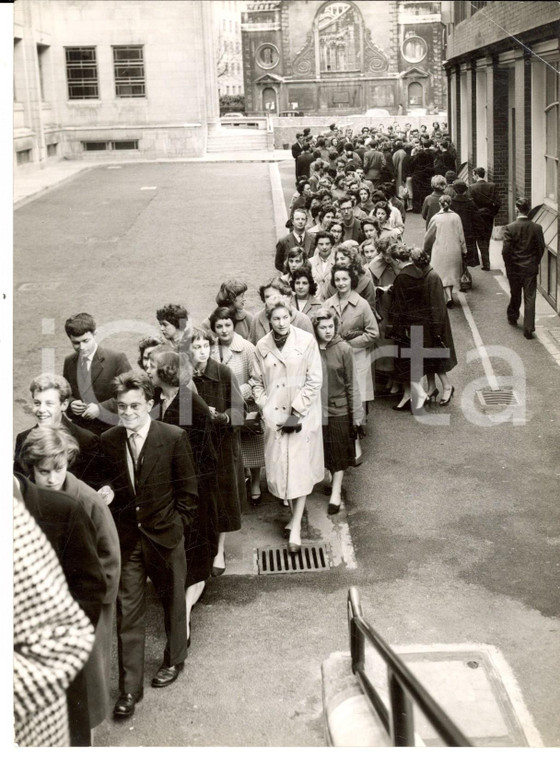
(173, 313)
(278, 284)
(304, 272)
(324, 313)
(148, 342)
(46, 381)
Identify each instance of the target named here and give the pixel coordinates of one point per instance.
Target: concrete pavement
(454, 528)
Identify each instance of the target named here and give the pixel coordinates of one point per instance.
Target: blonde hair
(48, 444)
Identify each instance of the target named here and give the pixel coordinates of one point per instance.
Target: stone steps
(236, 140)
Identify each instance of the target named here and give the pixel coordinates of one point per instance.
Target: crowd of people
(141, 472)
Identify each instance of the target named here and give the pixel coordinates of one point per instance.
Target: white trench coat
(286, 379)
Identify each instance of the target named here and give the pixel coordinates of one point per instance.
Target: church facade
(320, 57)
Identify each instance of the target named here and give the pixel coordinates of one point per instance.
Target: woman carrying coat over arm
(287, 380)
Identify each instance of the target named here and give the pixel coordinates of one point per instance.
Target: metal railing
(404, 687)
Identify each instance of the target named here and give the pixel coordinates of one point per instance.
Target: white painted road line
(149, 187)
(479, 343)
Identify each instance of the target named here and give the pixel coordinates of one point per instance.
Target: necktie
(82, 374)
(134, 450)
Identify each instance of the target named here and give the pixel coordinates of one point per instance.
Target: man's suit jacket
(72, 535)
(164, 503)
(105, 366)
(353, 233)
(85, 464)
(523, 246)
(288, 242)
(374, 161)
(303, 163)
(485, 197)
(296, 149)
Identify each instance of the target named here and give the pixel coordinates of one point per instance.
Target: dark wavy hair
(48, 444)
(304, 272)
(354, 277)
(133, 380)
(173, 313)
(173, 368)
(222, 312)
(148, 342)
(229, 291)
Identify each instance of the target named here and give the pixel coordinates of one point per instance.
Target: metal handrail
(404, 687)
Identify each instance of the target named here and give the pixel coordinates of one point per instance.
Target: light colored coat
(446, 240)
(238, 356)
(286, 379)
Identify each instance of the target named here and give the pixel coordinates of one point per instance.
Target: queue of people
(137, 473)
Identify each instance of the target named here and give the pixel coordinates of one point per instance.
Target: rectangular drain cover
(501, 397)
(272, 560)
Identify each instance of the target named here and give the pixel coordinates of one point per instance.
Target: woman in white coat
(287, 380)
(446, 241)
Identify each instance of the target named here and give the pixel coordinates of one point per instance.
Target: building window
(459, 11)
(268, 56)
(129, 71)
(42, 51)
(52, 150)
(414, 49)
(90, 145)
(552, 114)
(124, 145)
(339, 31)
(23, 156)
(81, 72)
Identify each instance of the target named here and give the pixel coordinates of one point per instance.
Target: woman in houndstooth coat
(52, 636)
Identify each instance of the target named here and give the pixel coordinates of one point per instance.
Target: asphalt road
(455, 526)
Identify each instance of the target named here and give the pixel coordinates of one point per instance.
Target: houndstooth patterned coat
(52, 637)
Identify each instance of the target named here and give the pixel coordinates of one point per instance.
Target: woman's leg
(295, 531)
(255, 481)
(405, 397)
(418, 395)
(193, 595)
(336, 494)
(220, 558)
(449, 293)
(431, 376)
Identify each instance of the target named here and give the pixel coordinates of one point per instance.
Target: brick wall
(500, 168)
(498, 21)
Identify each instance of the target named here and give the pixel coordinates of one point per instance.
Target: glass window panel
(551, 178)
(552, 272)
(552, 131)
(552, 83)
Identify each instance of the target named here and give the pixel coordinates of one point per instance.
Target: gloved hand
(221, 418)
(292, 425)
(359, 431)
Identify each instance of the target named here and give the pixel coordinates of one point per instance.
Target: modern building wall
(159, 51)
(504, 89)
(321, 57)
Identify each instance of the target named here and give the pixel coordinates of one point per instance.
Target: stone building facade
(322, 57)
(112, 80)
(504, 112)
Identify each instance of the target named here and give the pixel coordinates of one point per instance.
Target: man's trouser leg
(131, 622)
(168, 570)
(529, 300)
(483, 240)
(516, 288)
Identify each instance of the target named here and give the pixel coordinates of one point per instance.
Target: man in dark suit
(150, 470)
(90, 370)
(351, 227)
(297, 148)
(485, 197)
(72, 535)
(50, 397)
(297, 237)
(374, 161)
(304, 161)
(522, 252)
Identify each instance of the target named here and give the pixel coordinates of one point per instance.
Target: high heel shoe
(217, 571)
(433, 395)
(406, 407)
(445, 401)
(256, 499)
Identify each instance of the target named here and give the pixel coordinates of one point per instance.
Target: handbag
(465, 281)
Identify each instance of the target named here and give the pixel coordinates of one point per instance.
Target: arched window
(415, 94)
(339, 31)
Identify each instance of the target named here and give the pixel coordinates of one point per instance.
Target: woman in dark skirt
(217, 385)
(437, 328)
(178, 404)
(341, 404)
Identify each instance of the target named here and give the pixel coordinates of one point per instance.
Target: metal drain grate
(501, 397)
(272, 560)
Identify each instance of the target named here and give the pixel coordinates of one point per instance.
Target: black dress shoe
(529, 334)
(166, 676)
(125, 704)
(512, 321)
(485, 269)
(406, 407)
